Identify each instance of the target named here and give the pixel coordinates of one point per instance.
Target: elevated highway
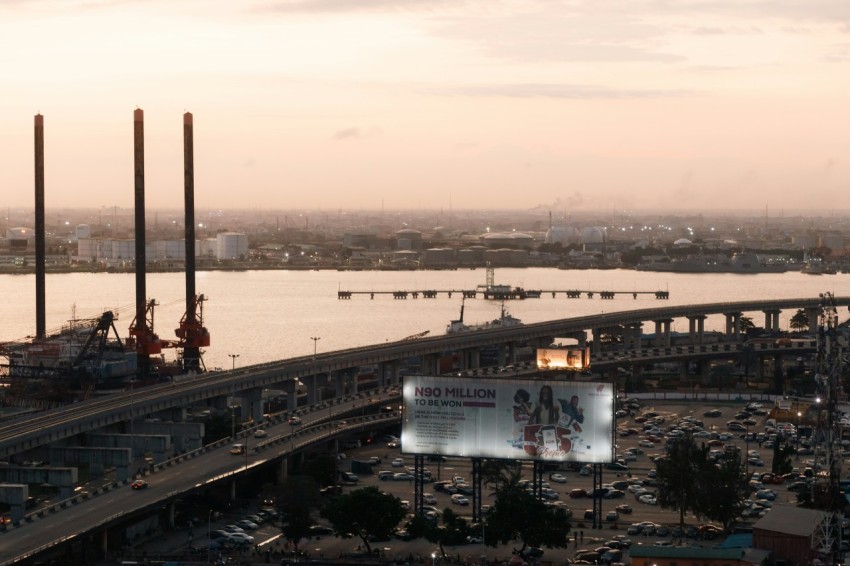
(191, 472)
(30, 432)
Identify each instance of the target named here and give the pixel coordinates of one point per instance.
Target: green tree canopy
(518, 515)
(678, 471)
(800, 321)
(364, 513)
(298, 497)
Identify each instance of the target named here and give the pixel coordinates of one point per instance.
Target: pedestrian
(581, 533)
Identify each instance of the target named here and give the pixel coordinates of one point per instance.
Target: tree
(677, 473)
(366, 513)
(452, 532)
(746, 323)
(723, 489)
(747, 358)
(782, 452)
(298, 496)
(800, 321)
(517, 514)
(322, 469)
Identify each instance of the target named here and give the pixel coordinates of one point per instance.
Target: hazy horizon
(582, 105)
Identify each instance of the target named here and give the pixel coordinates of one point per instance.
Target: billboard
(575, 359)
(561, 421)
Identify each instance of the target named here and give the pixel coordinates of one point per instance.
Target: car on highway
(139, 484)
(713, 413)
(294, 421)
(624, 508)
(578, 493)
(260, 433)
(402, 476)
(612, 516)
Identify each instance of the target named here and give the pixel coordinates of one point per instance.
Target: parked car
(459, 499)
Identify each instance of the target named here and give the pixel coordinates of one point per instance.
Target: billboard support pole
(418, 466)
(597, 496)
(476, 490)
(537, 479)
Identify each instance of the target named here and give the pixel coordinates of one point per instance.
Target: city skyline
(432, 104)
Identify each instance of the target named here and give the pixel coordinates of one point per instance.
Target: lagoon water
(268, 315)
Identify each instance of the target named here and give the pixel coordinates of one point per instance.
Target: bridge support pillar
(733, 325)
(597, 340)
(430, 363)
(312, 383)
(662, 332)
(252, 404)
(696, 328)
(104, 542)
(683, 371)
(233, 490)
(354, 384)
(171, 512)
(512, 352)
(283, 470)
(760, 367)
(291, 395)
(632, 334)
(771, 320)
(812, 314)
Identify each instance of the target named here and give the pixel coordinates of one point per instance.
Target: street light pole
(797, 452)
(233, 359)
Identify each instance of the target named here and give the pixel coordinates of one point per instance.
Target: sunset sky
(470, 104)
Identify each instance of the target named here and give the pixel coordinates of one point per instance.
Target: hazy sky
(579, 104)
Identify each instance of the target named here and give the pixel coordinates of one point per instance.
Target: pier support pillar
(733, 325)
(597, 340)
(696, 328)
(771, 320)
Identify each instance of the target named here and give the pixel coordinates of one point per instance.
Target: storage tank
(82, 231)
(231, 245)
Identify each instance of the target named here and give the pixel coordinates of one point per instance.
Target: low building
(790, 533)
(678, 555)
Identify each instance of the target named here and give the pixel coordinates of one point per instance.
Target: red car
(139, 484)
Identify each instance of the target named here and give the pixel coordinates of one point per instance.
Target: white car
(646, 444)
(648, 498)
(241, 538)
(398, 463)
(459, 499)
(429, 499)
(558, 478)
(260, 433)
(247, 525)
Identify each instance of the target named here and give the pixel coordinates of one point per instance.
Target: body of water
(268, 315)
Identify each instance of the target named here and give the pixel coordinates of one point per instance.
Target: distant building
(509, 240)
(408, 239)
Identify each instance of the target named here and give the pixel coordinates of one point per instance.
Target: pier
(504, 293)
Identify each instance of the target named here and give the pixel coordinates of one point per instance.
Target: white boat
(505, 320)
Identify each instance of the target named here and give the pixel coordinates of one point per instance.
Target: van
(770, 423)
(237, 449)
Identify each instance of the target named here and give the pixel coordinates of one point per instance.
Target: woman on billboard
(546, 412)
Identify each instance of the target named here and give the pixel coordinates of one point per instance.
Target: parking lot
(641, 436)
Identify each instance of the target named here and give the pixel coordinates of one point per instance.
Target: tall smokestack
(141, 292)
(191, 352)
(40, 326)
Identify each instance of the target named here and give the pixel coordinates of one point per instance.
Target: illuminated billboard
(575, 359)
(563, 421)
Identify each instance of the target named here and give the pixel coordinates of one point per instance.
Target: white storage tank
(231, 245)
(88, 248)
(82, 231)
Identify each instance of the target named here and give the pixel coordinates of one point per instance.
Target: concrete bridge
(337, 370)
(169, 402)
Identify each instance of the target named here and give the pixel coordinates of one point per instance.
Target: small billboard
(562, 421)
(574, 359)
